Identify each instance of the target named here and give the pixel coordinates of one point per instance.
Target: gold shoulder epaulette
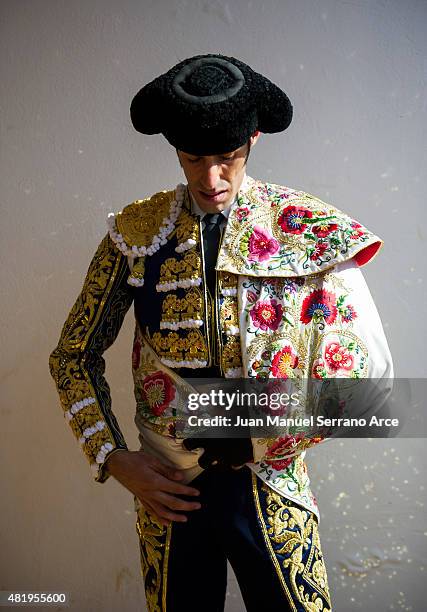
(134, 228)
(143, 226)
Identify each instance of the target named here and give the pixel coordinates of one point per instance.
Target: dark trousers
(272, 544)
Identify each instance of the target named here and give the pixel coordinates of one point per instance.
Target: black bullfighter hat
(210, 104)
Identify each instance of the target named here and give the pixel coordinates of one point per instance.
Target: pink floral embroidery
(159, 392)
(349, 314)
(320, 306)
(261, 245)
(338, 357)
(356, 231)
(292, 218)
(282, 446)
(242, 213)
(284, 361)
(267, 315)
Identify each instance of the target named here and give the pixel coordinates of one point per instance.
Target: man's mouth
(213, 196)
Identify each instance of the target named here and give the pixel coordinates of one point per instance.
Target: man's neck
(201, 213)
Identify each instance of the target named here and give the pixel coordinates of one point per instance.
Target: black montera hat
(210, 104)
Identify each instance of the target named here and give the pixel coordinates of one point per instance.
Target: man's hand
(154, 483)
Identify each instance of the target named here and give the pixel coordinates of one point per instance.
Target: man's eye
(227, 158)
(193, 161)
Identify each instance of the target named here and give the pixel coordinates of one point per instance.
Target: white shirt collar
(195, 208)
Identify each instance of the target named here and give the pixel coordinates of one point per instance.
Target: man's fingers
(175, 503)
(165, 514)
(163, 521)
(149, 508)
(161, 513)
(164, 484)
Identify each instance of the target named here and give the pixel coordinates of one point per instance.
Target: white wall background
(355, 71)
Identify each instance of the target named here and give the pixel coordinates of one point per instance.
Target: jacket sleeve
(77, 365)
(369, 395)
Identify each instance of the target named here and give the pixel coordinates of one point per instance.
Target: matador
(230, 277)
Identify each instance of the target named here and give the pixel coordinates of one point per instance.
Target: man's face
(214, 180)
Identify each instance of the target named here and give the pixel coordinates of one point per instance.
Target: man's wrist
(113, 459)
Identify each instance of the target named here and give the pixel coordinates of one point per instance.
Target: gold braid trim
(291, 530)
(182, 346)
(154, 542)
(77, 365)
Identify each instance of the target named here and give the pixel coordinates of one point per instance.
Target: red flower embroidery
(284, 361)
(242, 213)
(319, 249)
(323, 229)
(261, 245)
(292, 218)
(280, 447)
(136, 352)
(159, 392)
(267, 315)
(319, 305)
(319, 369)
(356, 232)
(338, 357)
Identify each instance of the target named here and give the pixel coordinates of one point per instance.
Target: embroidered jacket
(290, 302)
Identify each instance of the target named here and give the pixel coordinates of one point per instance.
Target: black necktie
(211, 238)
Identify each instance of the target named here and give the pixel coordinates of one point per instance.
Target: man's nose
(211, 176)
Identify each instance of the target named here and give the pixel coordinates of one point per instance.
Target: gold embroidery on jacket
(228, 280)
(189, 307)
(288, 531)
(300, 340)
(141, 220)
(228, 313)
(187, 226)
(230, 353)
(181, 268)
(183, 346)
(76, 364)
(154, 540)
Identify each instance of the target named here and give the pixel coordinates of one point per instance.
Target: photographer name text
(277, 421)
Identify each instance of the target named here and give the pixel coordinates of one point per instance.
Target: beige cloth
(171, 452)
